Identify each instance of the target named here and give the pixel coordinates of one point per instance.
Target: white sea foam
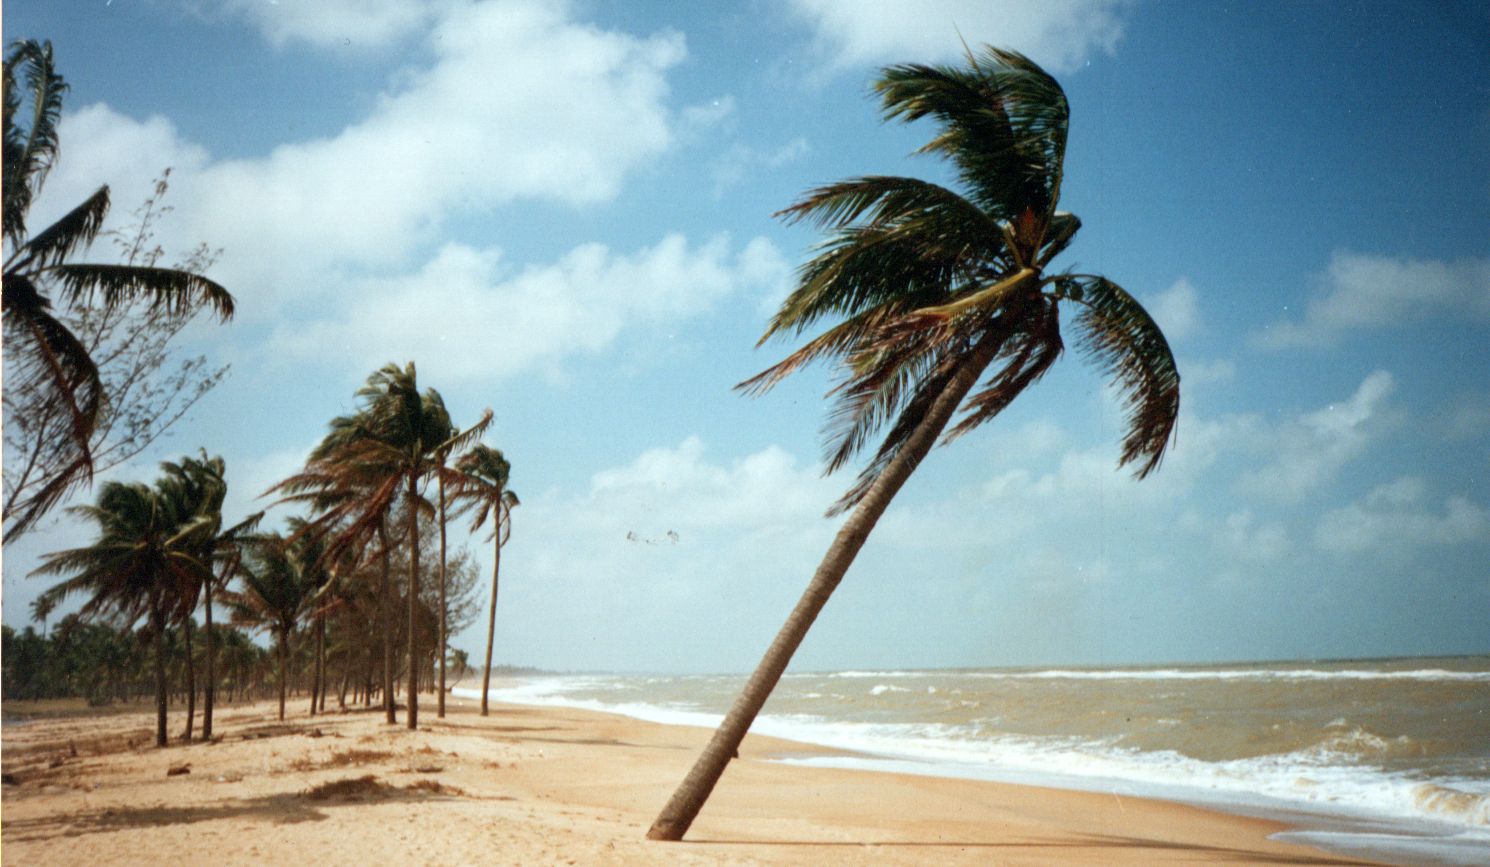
(1261, 674)
(1340, 777)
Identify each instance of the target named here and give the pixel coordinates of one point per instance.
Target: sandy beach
(541, 786)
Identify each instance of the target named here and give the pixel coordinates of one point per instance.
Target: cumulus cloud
(1059, 34)
(357, 24)
(1395, 515)
(578, 304)
(1310, 451)
(661, 555)
(740, 161)
(1176, 310)
(519, 103)
(1367, 291)
(1245, 537)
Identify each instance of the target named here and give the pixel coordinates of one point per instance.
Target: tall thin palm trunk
(673, 822)
(491, 618)
(158, 623)
(413, 713)
(385, 594)
(440, 701)
(321, 658)
(284, 664)
(317, 682)
(210, 689)
(191, 681)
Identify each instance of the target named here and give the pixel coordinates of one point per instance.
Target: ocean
(1386, 758)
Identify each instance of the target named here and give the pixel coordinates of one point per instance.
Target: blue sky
(563, 212)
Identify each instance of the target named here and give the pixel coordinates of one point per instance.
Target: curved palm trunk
(387, 612)
(491, 618)
(191, 681)
(673, 822)
(158, 623)
(413, 713)
(440, 702)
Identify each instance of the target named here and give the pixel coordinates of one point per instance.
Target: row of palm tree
(365, 484)
(162, 550)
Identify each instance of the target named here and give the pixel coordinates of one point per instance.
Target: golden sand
(538, 786)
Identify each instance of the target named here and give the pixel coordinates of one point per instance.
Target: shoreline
(548, 785)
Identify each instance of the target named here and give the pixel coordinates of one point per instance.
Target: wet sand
(536, 786)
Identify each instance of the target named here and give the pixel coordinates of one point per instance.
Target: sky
(563, 211)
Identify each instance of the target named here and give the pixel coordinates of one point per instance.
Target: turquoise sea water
(1389, 758)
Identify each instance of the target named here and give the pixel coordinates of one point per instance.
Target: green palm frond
(165, 289)
(1003, 124)
(30, 150)
(77, 228)
(1125, 343)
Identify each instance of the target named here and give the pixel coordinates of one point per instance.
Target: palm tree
(275, 596)
(371, 462)
(441, 420)
(199, 486)
(460, 661)
(934, 288)
(48, 367)
(484, 474)
(142, 562)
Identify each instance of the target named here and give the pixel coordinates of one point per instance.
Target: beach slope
(541, 786)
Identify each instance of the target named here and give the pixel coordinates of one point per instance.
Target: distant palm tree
(48, 367)
(141, 565)
(934, 287)
(275, 596)
(460, 662)
(482, 483)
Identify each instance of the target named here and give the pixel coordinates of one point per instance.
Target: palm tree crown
(921, 275)
(47, 365)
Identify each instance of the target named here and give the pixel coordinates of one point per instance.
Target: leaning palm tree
(144, 557)
(48, 367)
(482, 482)
(275, 596)
(932, 289)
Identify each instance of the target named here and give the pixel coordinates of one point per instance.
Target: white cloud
(463, 298)
(1364, 290)
(1394, 515)
(739, 161)
(101, 146)
(358, 24)
(663, 555)
(1176, 310)
(1310, 451)
(1059, 34)
(1243, 537)
(519, 103)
